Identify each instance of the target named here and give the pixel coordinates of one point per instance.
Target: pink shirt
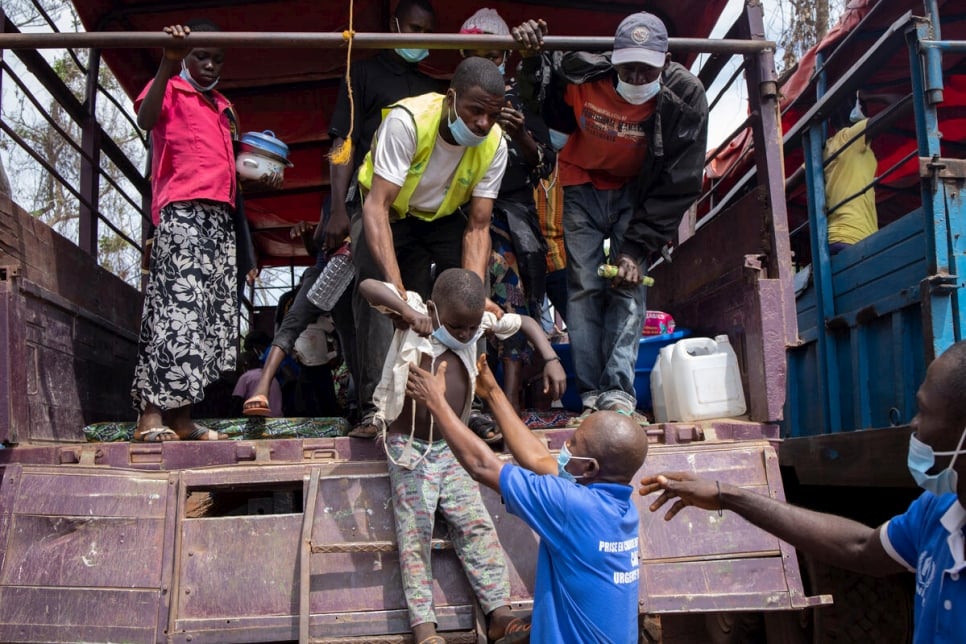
(191, 148)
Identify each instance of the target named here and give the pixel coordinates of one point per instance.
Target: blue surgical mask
(558, 139)
(412, 55)
(922, 458)
(638, 94)
(856, 114)
(502, 66)
(448, 340)
(565, 457)
(185, 74)
(461, 131)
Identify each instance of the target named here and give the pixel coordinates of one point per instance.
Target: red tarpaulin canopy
(292, 91)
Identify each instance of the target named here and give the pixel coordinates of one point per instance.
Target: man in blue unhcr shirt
(926, 540)
(578, 502)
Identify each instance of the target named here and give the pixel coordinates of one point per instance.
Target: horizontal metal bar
(333, 40)
(948, 46)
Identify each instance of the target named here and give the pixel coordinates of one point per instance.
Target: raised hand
(530, 34)
(685, 487)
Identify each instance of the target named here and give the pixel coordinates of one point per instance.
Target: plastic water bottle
(609, 271)
(334, 279)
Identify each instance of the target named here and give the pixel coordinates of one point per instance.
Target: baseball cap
(640, 38)
(485, 21)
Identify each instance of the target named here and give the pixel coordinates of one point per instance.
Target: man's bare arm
(834, 539)
(375, 223)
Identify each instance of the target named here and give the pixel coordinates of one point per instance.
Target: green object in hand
(609, 271)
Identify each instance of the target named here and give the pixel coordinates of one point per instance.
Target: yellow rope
(343, 155)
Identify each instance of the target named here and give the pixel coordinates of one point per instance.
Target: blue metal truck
(285, 539)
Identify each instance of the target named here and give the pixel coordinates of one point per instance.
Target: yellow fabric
(426, 111)
(846, 175)
(549, 198)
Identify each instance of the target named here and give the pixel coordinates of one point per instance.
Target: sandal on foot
(517, 631)
(634, 415)
(365, 429)
(154, 435)
(484, 427)
(202, 433)
(257, 405)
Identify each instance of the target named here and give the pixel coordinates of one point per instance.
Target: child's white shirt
(408, 347)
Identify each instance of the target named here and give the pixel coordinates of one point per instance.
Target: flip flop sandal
(154, 435)
(434, 639)
(257, 405)
(364, 430)
(517, 631)
(484, 427)
(202, 433)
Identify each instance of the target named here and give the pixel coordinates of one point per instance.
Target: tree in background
(41, 192)
(805, 23)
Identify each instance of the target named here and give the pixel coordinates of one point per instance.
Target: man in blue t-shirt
(579, 502)
(927, 539)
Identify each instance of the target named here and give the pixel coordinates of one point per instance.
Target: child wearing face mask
(189, 322)
(424, 474)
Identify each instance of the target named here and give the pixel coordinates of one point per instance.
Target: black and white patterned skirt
(189, 325)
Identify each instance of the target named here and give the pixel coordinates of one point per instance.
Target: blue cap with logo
(640, 38)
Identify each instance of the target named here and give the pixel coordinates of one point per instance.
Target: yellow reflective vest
(426, 111)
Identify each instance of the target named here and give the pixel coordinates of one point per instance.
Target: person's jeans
(604, 323)
(424, 249)
(300, 314)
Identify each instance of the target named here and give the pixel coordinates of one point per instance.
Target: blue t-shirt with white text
(588, 563)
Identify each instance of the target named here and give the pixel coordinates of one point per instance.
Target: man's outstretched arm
(839, 541)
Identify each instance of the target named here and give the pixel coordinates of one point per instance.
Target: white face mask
(638, 94)
(185, 74)
(448, 340)
(921, 459)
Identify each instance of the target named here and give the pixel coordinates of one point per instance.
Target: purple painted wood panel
(70, 615)
(715, 585)
(84, 551)
(82, 492)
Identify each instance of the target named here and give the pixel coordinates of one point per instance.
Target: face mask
(409, 55)
(502, 68)
(412, 55)
(461, 131)
(185, 74)
(856, 115)
(922, 458)
(638, 94)
(445, 338)
(565, 457)
(558, 139)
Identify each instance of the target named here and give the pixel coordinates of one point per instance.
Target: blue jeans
(604, 323)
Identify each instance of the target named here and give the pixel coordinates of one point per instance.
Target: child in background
(424, 474)
(189, 322)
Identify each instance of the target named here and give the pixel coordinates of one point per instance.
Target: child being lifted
(424, 474)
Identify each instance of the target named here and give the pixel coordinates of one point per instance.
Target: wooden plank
(70, 615)
(752, 584)
(84, 552)
(92, 494)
